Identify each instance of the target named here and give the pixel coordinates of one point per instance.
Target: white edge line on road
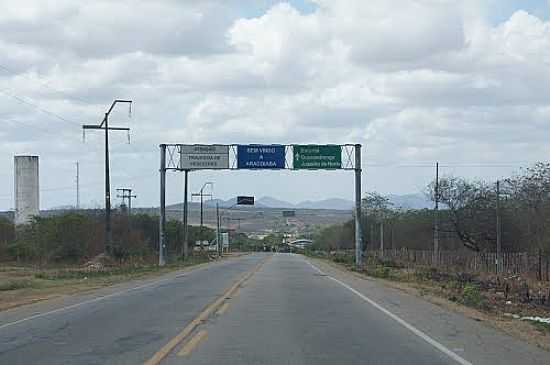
(98, 299)
(408, 326)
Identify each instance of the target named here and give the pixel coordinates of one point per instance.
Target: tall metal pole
(358, 232)
(382, 237)
(108, 233)
(499, 232)
(162, 219)
(77, 185)
(435, 258)
(218, 230)
(201, 195)
(185, 214)
(201, 229)
(130, 202)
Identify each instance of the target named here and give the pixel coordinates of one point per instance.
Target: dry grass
(24, 284)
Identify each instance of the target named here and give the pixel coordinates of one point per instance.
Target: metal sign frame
(174, 153)
(170, 160)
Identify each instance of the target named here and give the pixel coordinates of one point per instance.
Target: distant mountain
(335, 203)
(407, 201)
(270, 202)
(222, 203)
(410, 201)
(231, 202)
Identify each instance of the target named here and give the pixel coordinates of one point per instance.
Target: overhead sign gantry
(185, 157)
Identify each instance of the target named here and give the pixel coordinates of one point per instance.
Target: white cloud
(415, 81)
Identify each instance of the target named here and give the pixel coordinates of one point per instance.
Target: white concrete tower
(27, 196)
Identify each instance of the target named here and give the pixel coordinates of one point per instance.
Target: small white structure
(27, 196)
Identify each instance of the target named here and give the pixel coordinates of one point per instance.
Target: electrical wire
(45, 85)
(39, 108)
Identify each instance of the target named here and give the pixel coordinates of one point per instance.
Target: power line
(39, 108)
(91, 183)
(457, 165)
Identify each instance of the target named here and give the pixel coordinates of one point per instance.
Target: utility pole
(435, 258)
(201, 194)
(499, 232)
(105, 125)
(185, 248)
(127, 194)
(382, 237)
(218, 233)
(77, 186)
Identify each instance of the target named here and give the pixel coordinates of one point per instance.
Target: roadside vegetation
(400, 245)
(77, 237)
(66, 253)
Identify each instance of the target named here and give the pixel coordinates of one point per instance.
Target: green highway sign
(317, 157)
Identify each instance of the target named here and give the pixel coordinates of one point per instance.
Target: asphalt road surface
(254, 309)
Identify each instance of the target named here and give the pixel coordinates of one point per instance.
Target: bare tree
(471, 207)
(530, 192)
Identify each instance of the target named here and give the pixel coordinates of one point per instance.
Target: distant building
(27, 193)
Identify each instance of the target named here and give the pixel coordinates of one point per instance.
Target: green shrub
(343, 258)
(382, 272)
(15, 284)
(471, 295)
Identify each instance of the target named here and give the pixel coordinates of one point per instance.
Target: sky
(465, 83)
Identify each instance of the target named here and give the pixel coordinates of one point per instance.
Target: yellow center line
(189, 346)
(166, 349)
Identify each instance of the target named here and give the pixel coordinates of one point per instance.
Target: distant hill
(270, 202)
(335, 203)
(407, 201)
(410, 201)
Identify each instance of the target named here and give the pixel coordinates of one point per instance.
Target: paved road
(124, 328)
(279, 309)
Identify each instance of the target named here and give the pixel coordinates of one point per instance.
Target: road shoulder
(83, 294)
(442, 321)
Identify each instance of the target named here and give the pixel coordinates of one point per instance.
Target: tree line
(76, 237)
(468, 215)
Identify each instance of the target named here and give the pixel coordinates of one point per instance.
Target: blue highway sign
(255, 156)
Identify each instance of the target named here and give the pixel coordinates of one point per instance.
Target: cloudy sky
(463, 82)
